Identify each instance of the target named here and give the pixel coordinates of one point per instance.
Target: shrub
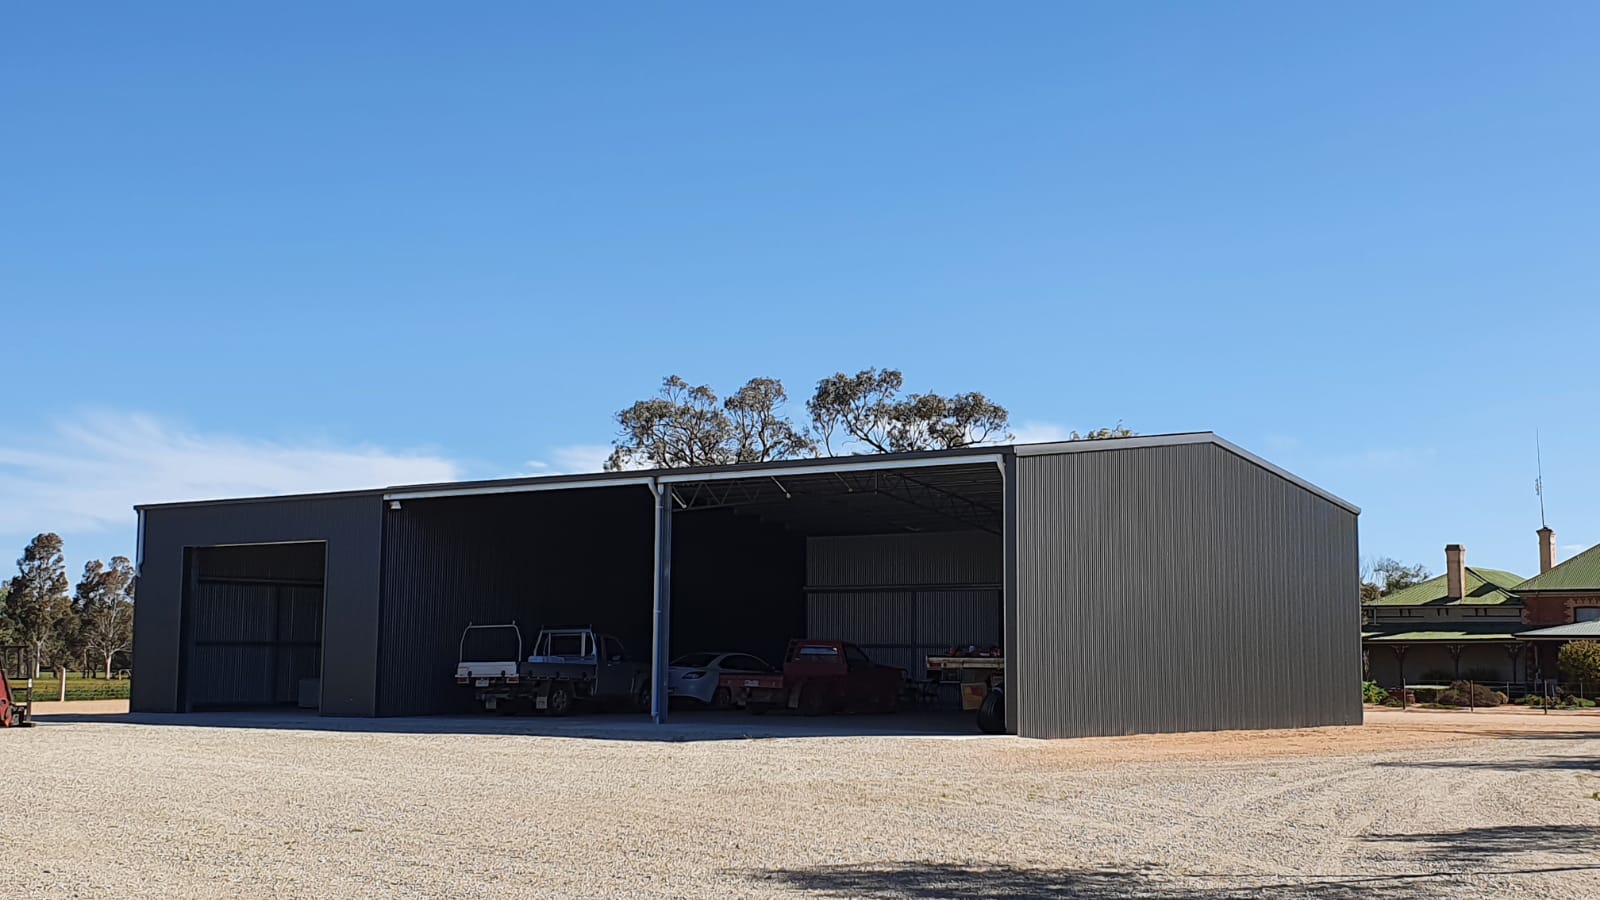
(1580, 661)
(1427, 694)
(1372, 693)
(1463, 693)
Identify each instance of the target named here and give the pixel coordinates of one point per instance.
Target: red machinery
(820, 677)
(11, 711)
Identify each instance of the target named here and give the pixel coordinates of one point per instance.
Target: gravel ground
(1409, 805)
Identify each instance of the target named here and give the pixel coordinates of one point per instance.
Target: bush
(1372, 693)
(1463, 693)
(1427, 694)
(1580, 661)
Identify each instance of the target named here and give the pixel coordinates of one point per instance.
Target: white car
(698, 675)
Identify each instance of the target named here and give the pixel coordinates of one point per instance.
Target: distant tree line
(88, 629)
(690, 425)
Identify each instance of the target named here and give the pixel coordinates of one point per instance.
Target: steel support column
(1008, 611)
(660, 642)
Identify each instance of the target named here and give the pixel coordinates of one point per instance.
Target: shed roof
(1484, 587)
(1580, 573)
(827, 465)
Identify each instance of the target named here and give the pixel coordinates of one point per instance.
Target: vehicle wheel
(641, 701)
(992, 713)
(559, 702)
(722, 698)
(888, 702)
(812, 701)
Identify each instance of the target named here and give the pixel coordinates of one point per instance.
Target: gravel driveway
(1410, 807)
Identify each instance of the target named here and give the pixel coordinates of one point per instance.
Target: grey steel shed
(1146, 584)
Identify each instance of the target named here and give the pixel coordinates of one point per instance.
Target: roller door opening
(253, 622)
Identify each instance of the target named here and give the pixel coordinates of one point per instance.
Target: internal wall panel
(552, 558)
(903, 597)
(951, 618)
(255, 624)
(962, 559)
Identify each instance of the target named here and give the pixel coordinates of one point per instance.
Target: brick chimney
(1547, 549)
(1455, 569)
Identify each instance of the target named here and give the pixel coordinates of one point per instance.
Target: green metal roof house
(1483, 624)
(1462, 624)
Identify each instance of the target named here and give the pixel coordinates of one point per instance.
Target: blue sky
(291, 247)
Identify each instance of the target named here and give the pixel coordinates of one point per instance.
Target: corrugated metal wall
(960, 558)
(253, 642)
(350, 524)
(902, 597)
(557, 558)
(1180, 588)
(582, 557)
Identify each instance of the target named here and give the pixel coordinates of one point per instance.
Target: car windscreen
(570, 644)
(816, 652)
(489, 645)
(695, 660)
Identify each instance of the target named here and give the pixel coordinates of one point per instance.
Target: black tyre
(641, 701)
(889, 702)
(722, 698)
(813, 702)
(559, 701)
(992, 713)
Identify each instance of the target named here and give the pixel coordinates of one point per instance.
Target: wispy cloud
(571, 460)
(85, 474)
(1040, 432)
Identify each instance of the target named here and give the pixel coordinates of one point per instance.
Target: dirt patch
(1422, 806)
(80, 707)
(1384, 731)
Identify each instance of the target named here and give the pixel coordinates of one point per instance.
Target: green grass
(78, 688)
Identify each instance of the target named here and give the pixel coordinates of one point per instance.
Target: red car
(820, 677)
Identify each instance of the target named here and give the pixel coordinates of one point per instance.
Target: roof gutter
(482, 490)
(865, 465)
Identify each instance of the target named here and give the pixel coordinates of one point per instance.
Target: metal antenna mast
(1538, 483)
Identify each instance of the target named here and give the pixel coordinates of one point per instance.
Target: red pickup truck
(820, 677)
